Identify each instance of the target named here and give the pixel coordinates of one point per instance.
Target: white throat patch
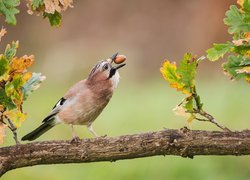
(115, 80)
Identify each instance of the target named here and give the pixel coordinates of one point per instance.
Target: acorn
(120, 59)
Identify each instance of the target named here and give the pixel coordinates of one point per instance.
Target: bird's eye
(105, 67)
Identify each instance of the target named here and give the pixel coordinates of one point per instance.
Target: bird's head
(105, 72)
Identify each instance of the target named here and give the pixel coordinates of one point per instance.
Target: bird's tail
(39, 131)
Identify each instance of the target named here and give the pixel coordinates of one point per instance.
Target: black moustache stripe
(112, 72)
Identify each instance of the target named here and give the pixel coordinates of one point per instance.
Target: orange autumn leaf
(1, 108)
(19, 65)
(247, 35)
(27, 76)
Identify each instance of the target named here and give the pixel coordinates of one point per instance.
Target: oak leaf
(20, 65)
(17, 117)
(2, 132)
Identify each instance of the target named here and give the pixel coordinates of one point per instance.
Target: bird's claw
(75, 139)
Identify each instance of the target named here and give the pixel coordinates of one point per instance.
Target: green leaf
(189, 105)
(5, 100)
(8, 9)
(242, 49)
(187, 71)
(10, 50)
(246, 6)
(218, 51)
(168, 71)
(32, 84)
(36, 4)
(245, 62)
(233, 19)
(13, 89)
(231, 66)
(4, 66)
(198, 102)
(54, 19)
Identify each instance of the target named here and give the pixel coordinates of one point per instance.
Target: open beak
(119, 66)
(114, 69)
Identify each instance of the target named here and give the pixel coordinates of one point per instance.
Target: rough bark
(181, 142)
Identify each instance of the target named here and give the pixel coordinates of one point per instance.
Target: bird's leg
(75, 138)
(90, 128)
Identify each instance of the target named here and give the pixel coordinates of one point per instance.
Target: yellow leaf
(2, 33)
(247, 54)
(19, 65)
(2, 132)
(168, 71)
(17, 117)
(27, 76)
(240, 2)
(190, 120)
(247, 79)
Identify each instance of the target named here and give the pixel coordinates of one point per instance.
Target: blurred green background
(147, 32)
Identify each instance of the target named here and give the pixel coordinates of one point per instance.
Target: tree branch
(181, 142)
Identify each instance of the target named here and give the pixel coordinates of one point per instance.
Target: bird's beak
(119, 66)
(114, 69)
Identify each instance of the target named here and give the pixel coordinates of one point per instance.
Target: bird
(84, 101)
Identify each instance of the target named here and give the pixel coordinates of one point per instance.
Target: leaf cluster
(182, 78)
(47, 8)
(238, 22)
(16, 83)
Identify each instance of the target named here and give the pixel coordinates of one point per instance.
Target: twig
(12, 127)
(201, 112)
(210, 118)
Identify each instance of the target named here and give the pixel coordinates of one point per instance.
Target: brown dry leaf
(19, 65)
(2, 132)
(2, 33)
(240, 42)
(243, 70)
(180, 111)
(57, 5)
